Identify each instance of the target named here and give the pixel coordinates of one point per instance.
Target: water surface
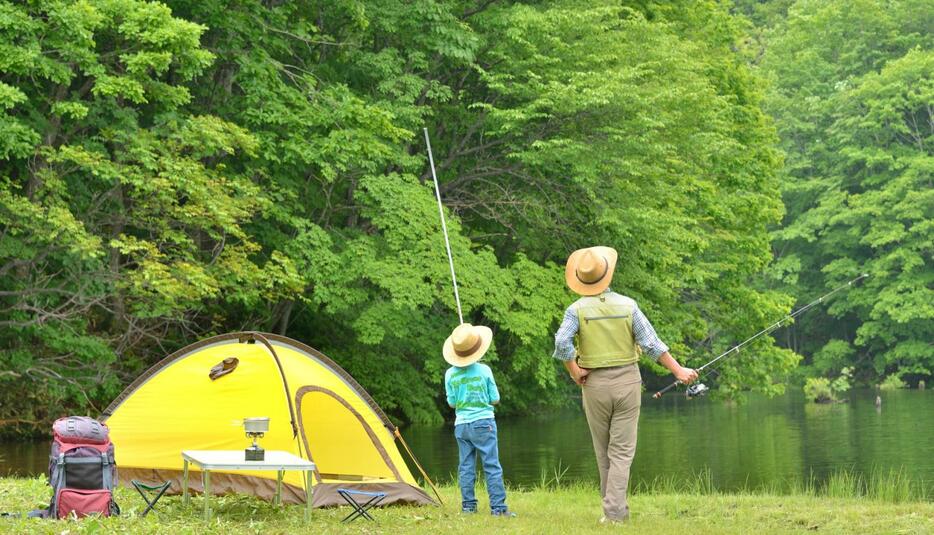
(751, 445)
(756, 444)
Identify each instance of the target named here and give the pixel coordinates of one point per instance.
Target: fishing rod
(444, 227)
(698, 388)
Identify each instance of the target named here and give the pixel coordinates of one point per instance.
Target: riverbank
(573, 509)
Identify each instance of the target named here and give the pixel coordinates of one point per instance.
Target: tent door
(339, 440)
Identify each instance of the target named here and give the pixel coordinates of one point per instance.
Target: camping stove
(255, 428)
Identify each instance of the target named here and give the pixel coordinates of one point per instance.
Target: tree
(279, 182)
(120, 218)
(852, 94)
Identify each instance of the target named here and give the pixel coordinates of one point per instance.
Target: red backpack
(82, 472)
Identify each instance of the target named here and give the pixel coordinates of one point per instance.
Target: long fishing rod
(699, 388)
(457, 299)
(444, 227)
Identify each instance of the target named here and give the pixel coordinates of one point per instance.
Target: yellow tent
(317, 411)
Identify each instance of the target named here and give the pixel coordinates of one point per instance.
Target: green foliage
(892, 382)
(851, 96)
(173, 170)
(818, 389)
(835, 355)
(121, 220)
(823, 390)
(841, 384)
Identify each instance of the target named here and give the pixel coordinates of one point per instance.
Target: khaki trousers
(612, 398)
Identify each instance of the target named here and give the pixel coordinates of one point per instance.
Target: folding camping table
(232, 460)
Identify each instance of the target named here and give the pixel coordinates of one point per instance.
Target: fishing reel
(696, 390)
(699, 389)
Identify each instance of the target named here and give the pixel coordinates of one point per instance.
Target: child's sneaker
(505, 513)
(466, 511)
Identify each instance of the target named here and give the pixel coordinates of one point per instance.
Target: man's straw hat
(589, 271)
(467, 344)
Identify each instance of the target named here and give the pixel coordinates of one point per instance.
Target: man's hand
(682, 374)
(576, 372)
(685, 375)
(581, 376)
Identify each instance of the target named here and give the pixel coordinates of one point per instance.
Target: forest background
(172, 170)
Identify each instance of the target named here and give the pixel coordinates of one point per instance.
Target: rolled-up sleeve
(564, 338)
(645, 335)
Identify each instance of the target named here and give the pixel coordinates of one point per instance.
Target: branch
(14, 421)
(477, 9)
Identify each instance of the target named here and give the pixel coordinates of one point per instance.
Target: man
(612, 332)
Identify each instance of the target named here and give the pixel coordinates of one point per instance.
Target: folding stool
(360, 509)
(143, 489)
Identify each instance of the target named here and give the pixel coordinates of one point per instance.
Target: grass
(885, 502)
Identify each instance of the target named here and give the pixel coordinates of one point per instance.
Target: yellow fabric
(605, 337)
(338, 446)
(180, 408)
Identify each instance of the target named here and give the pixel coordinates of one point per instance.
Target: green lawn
(573, 509)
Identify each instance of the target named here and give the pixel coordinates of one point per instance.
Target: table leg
(278, 500)
(307, 495)
(206, 478)
(185, 484)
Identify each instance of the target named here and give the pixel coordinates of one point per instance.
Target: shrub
(841, 384)
(823, 390)
(892, 382)
(817, 389)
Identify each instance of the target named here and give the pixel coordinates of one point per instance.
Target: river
(759, 443)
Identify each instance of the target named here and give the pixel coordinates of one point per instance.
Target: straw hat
(589, 271)
(467, 344)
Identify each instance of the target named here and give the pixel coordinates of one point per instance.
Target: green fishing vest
(605, 336)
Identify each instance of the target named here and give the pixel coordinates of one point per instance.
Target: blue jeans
(473, 438)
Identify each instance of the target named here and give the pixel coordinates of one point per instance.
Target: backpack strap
(107, 478)
(60, 479)
(60, 468)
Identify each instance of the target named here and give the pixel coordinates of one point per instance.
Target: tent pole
(420, 469)
(285, 383)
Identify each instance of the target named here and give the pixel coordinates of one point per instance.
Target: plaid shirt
(641, 329)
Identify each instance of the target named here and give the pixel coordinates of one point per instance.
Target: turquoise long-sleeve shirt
(472, 392)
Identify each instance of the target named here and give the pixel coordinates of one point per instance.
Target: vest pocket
(596, 318)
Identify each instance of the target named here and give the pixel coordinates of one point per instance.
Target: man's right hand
(683, 375)
(576, 372)
(686, 375)
(580, 377)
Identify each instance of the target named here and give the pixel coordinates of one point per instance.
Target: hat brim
(581, 287)
(452, 358)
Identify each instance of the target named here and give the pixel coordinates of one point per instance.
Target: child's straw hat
(467, 344)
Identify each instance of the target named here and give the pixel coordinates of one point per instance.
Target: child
(471, 391)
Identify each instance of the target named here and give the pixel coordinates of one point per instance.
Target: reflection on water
(760, 443)
(763, 442)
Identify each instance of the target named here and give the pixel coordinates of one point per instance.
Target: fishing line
(700, 388)
(444, 227)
